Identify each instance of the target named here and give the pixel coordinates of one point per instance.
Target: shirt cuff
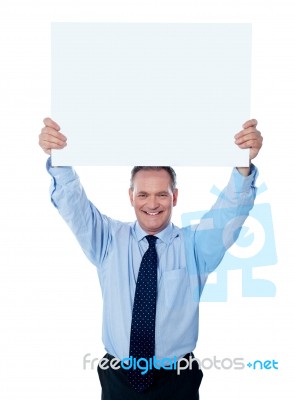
(241, 183)
(62, 174)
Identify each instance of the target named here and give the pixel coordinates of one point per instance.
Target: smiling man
(153, 195)
(151, 272)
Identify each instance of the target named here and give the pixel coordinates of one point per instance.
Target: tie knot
(151, 239)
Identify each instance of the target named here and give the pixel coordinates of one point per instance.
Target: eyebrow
(161, 192)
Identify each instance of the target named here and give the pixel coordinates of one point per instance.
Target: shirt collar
(165, 235)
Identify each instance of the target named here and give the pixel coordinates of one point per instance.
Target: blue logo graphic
(255, 247)
(267, 364)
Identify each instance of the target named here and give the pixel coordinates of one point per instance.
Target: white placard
(151, 93)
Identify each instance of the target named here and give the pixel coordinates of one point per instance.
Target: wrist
(245, 171)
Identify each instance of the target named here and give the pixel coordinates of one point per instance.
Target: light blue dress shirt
(185, 258)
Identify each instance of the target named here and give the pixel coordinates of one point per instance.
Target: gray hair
(170, 171)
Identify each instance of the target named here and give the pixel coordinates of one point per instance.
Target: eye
(141, 195)
(163, 195)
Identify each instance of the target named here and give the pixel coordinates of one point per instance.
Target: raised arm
(91, 228)
(220, 227)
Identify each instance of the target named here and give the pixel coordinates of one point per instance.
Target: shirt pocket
(177, 288)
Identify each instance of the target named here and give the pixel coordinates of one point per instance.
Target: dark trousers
(167, 384)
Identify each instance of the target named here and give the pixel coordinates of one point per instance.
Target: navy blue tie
(142, 336)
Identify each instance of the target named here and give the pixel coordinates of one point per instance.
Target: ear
(131, 197)
(175, 197)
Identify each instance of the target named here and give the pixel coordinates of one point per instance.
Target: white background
(50, 298)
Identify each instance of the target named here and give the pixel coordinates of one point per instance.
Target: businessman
(151, 272)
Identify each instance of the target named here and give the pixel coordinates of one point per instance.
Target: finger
(250, 144)
(50, 141)
(243, 137)
(251, 122)
(54, 133)
(247, 131)
(48, 146)
(52, 124)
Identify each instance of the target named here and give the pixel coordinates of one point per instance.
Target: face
(153, 199)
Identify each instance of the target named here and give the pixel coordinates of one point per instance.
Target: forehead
(147, 180)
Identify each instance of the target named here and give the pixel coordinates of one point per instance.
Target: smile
(152, 213)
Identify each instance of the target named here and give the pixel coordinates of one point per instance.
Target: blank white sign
(151, 93)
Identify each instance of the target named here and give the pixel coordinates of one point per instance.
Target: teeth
(155, 213)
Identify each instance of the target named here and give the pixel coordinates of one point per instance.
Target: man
(151, 272)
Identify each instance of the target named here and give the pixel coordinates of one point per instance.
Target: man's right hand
(50, 137)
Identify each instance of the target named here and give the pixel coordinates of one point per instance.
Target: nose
(153, 203)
